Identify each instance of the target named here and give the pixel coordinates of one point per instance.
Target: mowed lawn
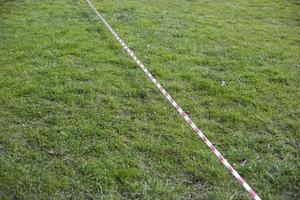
(79, 120)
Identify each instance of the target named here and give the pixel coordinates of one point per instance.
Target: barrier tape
(180, 111)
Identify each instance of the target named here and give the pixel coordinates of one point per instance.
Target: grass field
(79, 120)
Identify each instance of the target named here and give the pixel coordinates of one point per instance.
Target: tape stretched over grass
(228, 166)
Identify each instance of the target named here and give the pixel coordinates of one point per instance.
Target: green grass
(79, 120)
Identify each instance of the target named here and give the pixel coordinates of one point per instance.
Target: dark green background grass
(79, 120)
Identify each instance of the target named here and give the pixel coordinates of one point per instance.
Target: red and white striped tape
(180, 111)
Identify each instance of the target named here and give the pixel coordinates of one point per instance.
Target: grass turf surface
(79, 120)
